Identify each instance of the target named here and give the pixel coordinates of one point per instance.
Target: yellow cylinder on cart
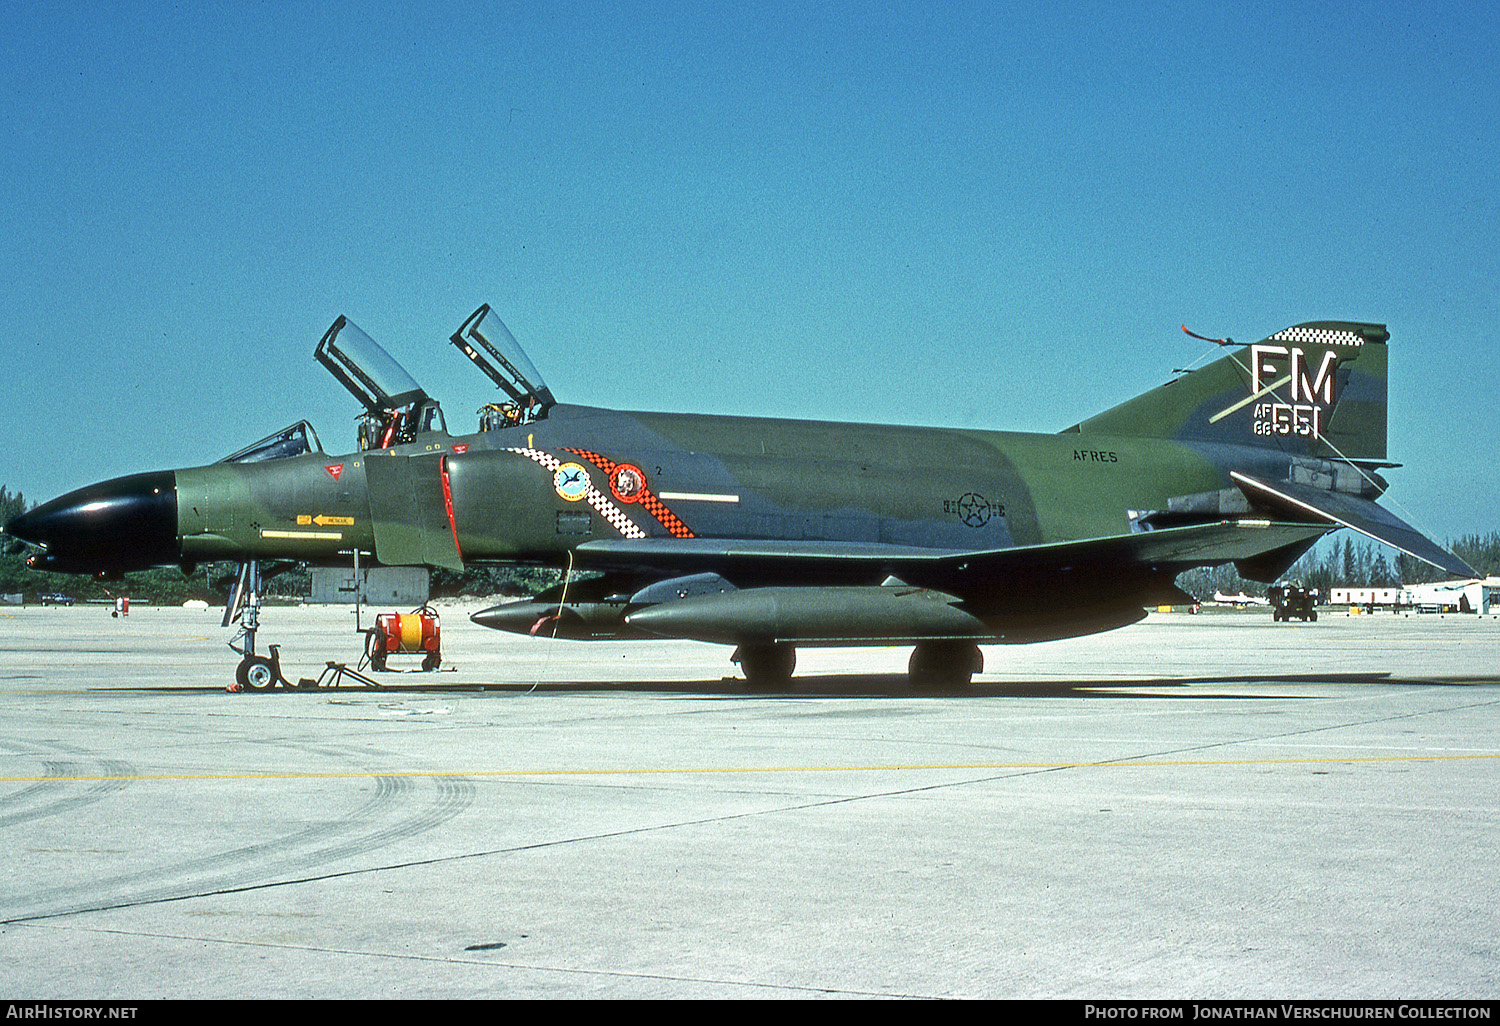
(408, 632)
(414, 633)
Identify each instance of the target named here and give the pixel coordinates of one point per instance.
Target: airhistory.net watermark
(45, 1010)
(1289, 1010)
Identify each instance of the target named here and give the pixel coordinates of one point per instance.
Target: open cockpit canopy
(397, 409)
(493, 349)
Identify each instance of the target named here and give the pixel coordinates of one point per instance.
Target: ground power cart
(414, 633)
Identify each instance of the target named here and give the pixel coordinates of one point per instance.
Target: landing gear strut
(246, 592)
(944, 664)
(766, 665)
(255, 672)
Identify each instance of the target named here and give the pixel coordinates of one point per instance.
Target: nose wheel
(257, 673)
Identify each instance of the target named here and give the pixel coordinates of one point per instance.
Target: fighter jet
(766, 535)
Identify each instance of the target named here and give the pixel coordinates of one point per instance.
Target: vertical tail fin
(1314, 389)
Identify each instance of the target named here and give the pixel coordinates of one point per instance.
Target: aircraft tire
(256, 673)
(944, 664)
(766, 665)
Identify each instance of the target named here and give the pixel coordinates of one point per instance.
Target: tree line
(1346, 560)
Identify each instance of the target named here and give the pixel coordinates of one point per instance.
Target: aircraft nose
(129, 523)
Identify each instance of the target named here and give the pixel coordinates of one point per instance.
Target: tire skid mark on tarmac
(113, 775)
(454, 793)
(260, 863)
(387, 793)
(460, 796)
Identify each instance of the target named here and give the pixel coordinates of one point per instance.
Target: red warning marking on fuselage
(334, 470)
(448, 504)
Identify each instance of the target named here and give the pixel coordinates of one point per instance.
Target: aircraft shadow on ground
(887, 685)
(896, 685)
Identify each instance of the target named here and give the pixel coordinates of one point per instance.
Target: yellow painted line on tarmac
(706, 770)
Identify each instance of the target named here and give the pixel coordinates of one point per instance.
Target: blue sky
(980, 215)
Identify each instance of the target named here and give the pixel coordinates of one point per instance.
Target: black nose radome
(129, 523)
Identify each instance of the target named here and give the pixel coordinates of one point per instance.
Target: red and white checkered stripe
(602, 503)
(647, 498)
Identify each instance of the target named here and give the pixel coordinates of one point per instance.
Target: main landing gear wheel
(256, 673)
(767, 665)
(944, 664)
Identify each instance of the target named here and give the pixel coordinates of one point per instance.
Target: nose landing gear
(257, 673)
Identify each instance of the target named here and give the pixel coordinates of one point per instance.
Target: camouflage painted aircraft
(770, 534)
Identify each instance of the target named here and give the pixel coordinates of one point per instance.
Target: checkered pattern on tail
(1320, 336)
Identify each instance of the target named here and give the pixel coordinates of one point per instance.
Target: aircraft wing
(1139, 564)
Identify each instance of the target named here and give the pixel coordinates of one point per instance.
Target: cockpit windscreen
(494, 350)
(396, 407)
(370, 373)
(289, 441)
